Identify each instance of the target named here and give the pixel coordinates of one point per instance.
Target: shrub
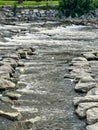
(75, 7)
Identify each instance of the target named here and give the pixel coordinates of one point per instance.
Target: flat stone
(84, 86)
(92, 115)
(6, 84)
(11, 55)
(79, 59)
(4, 75)
(83, 107)
(6, 100)
(13, 95)
(10, 113)
(89, 56)
(91, 98)
(93, 91)
(92, 127)
(6, 68)
(12, 62)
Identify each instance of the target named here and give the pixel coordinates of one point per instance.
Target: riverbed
(47, 98)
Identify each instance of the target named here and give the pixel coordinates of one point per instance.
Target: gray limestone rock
(91, 98)
(92, 115)
(83, 107)
(10, 113)
(85, 86)
(92, 127)
(6, 84)
(13, 95)
(93, 91)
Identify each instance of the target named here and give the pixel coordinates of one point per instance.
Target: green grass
(29, 3)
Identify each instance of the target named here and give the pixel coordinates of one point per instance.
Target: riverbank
(30, 14)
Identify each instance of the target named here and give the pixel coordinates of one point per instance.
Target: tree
(73, 7)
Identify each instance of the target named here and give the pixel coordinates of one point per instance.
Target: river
(47, 98)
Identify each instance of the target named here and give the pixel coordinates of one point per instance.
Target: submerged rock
(92, 115)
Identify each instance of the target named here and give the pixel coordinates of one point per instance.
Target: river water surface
(47, 98)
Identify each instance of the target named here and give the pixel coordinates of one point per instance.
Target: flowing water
(47, 98)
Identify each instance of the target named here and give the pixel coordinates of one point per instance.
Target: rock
(4, 75)
(92, 127)
(89, 56)
(13, 95)
(93, 91)
(12, 62)
(84, 86)
(86, 79)
(6, 100)
(92, 115)
(10, 113)
(79, 59)
(83, 107)
(80, 64)
(23, 54)
(91, 98)
(6, 84)
(11, 55)
(7, 68)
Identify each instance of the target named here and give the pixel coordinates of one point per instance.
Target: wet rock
(11, 55)
(10, 113)
(89, 56)
(83, 107)
(7, 68)
(84, 86)
(4, 75)
(12, 62)
(23, 54)
(6, 100)
(80, 64)
(6, 84)
(92, 115)
(86, 79)
(92, 127)
(91, 98)
(79, 59)
(13, 95)
(93, 91)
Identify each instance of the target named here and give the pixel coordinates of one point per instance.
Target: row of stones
(32, 13)
(81, 73)
(8, 82)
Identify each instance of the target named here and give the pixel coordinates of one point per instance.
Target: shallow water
(47, 98)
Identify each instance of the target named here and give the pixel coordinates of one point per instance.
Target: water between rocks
(47, 98)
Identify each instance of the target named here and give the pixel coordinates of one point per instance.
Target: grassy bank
(29, 3)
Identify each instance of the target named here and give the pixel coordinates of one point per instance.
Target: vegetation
(77, 7)
(29, 3)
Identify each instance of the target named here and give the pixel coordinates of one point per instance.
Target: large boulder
(92, 115)
(6, 84)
